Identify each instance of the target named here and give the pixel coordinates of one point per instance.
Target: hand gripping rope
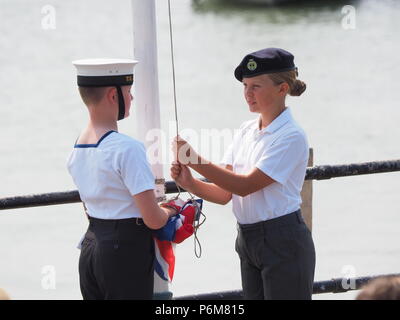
(199, 214)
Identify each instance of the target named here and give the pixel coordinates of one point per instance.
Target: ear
(112, 95)
(284, 88)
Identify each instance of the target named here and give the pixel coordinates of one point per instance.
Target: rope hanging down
(196, 222)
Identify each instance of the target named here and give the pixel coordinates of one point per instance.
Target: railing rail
(353, 169)
(338, 285)
(313, 173)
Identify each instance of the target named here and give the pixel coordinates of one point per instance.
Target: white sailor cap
(104, 72)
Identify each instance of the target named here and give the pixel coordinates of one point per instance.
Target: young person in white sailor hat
(116, 185)
(263, 173)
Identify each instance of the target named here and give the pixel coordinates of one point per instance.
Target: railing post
(307, 195)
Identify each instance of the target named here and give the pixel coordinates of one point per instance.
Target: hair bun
(298, 88)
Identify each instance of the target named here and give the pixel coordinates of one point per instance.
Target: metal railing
(338, 285)
(313, 173)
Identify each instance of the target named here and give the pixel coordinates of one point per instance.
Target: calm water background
(350, 111)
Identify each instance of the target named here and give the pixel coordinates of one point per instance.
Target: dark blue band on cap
(268, 72)
(105, 81)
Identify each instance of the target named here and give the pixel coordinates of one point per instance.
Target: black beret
(269, 60)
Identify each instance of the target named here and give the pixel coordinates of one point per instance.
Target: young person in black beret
(262, 172)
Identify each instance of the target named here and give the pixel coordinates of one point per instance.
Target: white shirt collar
(277, 123)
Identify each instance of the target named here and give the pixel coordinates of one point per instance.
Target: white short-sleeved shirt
(280, 150)
(109, 173)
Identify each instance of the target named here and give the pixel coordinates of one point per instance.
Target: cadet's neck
(267, 118)
(102, 125)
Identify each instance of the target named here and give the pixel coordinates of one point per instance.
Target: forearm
(223, 178)
(210, 192)
(153, 216)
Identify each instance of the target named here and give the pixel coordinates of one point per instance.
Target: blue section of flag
(159, 269)
(167, 233)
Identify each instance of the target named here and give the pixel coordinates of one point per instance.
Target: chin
(254, 109)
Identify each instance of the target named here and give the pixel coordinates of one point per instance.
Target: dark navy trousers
(117, 260)
(277, 259)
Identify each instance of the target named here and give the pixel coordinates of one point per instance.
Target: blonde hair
(296, 86)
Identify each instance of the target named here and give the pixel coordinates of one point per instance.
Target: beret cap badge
(252, 65)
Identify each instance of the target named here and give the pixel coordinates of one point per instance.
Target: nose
(248, 92)
(131, 96)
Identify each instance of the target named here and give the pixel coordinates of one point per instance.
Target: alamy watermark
(49, 17)
(49, 277)
(348, 281)
(349, 17)
(211, 143)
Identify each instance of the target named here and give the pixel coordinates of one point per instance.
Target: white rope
(196, 223)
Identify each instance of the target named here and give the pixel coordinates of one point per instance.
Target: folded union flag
(177, 229)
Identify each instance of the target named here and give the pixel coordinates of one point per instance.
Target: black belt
(288, 219)
(97, 221)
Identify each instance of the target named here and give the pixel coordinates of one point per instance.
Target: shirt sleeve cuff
(142, 189)
(274, 176)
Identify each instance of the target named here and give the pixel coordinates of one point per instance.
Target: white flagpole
(146, 99)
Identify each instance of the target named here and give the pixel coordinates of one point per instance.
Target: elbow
(154, 225)
(225, 200)
(246, 187)
(222, 203)
(243, 188)
(243, 194)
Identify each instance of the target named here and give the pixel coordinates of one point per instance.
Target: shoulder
(292, 133)
(293, 129)
(125, 150)
(124, 143)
